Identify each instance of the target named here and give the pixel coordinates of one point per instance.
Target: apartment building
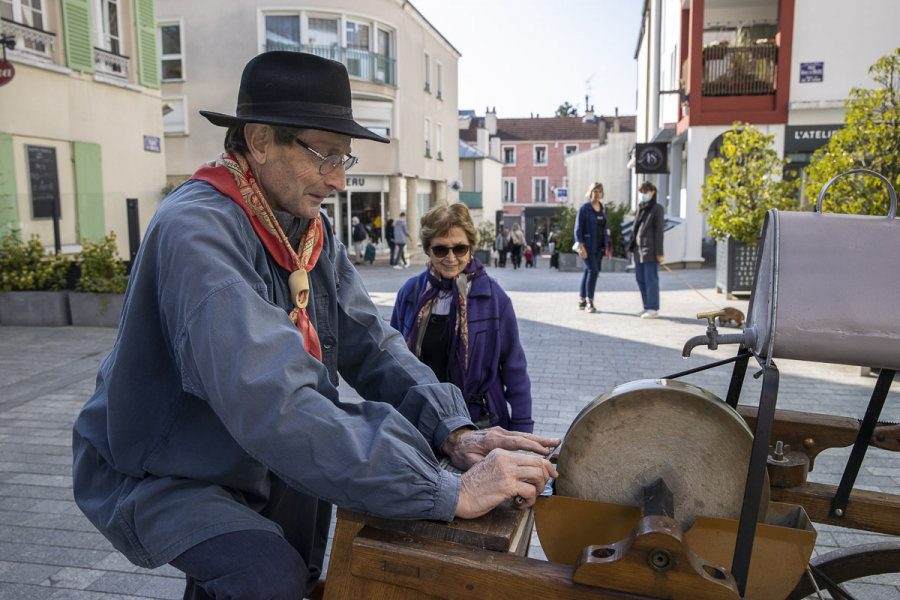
(533, 151)
(403, 75)
(784, 66)
(480, 177)
(81, 125)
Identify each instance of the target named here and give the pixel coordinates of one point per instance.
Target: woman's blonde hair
(442, 218)
(594, 186)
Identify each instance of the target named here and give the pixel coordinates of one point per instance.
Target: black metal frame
(768, 398)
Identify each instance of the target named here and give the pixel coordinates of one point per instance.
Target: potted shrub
(100, 291)
(31, 284)
(745, 181)
(615, 215)
(565, 239)
(486, 239)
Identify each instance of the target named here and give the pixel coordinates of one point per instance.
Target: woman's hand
(581, 251)
(660, 258)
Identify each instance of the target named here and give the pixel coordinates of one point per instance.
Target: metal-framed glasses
(459, 251)
(331, 162)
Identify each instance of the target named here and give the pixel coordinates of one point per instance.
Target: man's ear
(259, 140)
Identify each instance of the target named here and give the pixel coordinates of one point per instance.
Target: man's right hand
(502, 475)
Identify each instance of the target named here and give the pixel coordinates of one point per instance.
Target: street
(48, 549)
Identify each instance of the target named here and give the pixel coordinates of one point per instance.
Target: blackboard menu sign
(44, 181)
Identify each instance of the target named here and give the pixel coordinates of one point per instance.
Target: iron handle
(892, 212)
(711, 316)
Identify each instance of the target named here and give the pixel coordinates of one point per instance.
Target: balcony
(471, 199)
(30, 42)
(739, 71)
(111, 63)
(360, 63)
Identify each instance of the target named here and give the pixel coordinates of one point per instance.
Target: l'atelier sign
(808, 138)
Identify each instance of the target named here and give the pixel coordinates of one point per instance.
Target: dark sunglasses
(459, 250)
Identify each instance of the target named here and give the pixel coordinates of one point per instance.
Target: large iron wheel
(848, 564)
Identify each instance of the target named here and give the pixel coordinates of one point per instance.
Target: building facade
(403, 76)
(81, 125)
(533, 152)
(784, 66)
(480, 176)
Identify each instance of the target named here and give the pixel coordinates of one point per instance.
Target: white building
(785, 66)
(480, 183)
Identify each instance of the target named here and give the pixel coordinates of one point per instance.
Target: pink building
(532, 150)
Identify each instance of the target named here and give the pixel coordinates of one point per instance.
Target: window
(26, 12)
(440, 79)
(571, 148)
(282, 32)
(357, 49)
(439, 140)
(170, 52)
(384, 63)
(427, 137)
(323, 32)
(540, 154)
(107, 26)
(375, 115)
(175, 120)
(427, 72)
(509, 155)
(565, 183)
(509, 189)
(540, 190)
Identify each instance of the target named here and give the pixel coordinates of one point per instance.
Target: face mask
(645, 197)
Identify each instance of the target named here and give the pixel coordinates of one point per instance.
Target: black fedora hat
(295, 89)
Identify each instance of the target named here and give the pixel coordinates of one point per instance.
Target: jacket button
(328, 344)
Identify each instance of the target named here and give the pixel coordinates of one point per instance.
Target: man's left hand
(465, 447)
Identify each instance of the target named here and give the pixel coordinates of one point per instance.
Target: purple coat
(496, 359)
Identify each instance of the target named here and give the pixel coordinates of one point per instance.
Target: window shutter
(89, 191)
(147, 55)
(77, 30)
(9, 196)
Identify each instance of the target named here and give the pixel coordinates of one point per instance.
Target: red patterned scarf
(231, 175)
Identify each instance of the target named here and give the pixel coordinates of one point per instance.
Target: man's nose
(337, 178)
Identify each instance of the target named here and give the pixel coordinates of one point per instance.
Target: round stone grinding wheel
(640, 431)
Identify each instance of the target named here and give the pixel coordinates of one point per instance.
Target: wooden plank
(870, 511)
(493, 531)
(454, 572)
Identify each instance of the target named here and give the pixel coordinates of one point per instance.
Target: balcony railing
(471, 199)
(30, 41)
(111, 63)
(739, 71)
(360, 63)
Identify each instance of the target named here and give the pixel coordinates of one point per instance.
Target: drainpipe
(655, 56)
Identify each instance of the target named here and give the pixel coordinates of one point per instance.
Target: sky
(530, 56)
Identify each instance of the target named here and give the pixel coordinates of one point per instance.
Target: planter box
(484, 256)
(570, 262)
(735, 267)
(47, 309)
(614, 265)
(96, 310)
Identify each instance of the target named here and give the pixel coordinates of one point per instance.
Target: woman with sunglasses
(458, 321)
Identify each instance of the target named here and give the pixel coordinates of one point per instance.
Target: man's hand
(500, 476)
(465, 447)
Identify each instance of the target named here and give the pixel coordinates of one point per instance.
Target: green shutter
(89, 191)
(77, 30)
(145, 27)
(9, 196)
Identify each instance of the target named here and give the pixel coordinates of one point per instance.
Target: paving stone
(12, 591)
(73, 578)
(11, 572)
(120, 583)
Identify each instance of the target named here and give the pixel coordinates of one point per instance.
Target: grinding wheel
(640, 431)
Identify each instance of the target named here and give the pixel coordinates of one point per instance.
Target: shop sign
(7, 72)
(808, 138)
(812, 72)
(651, 158)
(364, 183)
(562, 194)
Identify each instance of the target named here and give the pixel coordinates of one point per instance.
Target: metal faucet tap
(712, 339)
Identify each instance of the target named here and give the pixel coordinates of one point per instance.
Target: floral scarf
(458, 365)
(230, 174)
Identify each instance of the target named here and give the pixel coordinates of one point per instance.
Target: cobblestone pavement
(49, 550)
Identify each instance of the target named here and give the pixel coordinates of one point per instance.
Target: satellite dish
(456, 185)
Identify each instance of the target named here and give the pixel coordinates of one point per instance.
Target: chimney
(490, 121)
(616, 121)
(495, 147)
(482, 137)
(601, 130)
(588, 115)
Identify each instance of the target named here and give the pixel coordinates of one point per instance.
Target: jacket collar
(480, 287)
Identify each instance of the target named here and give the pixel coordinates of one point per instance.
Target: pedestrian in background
(401, 237)
(529, 257)
(459, 321)
(502, 246)
(591, 234)
(517, 242)
(646, 245)
(389, 236)
(359, 234)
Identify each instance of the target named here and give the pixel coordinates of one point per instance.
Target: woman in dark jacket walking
(591, 234)
(647, 246)
(458, 321)
(389, 236)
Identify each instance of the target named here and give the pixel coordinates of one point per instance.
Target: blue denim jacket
(208, 390)
(586, 228)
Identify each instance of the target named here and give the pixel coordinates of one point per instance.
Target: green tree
(486, 236)
(744, 183)
(869, 140)
(566, 110)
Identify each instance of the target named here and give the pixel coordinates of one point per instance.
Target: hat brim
(341, 126)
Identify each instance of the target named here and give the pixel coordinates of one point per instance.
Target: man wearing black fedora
(216, 439)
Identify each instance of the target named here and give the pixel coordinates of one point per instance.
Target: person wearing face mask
(591, 234)
(458, 321)
(646, 244)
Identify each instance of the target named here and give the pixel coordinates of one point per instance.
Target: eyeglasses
(331, 162)
(459, 250)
